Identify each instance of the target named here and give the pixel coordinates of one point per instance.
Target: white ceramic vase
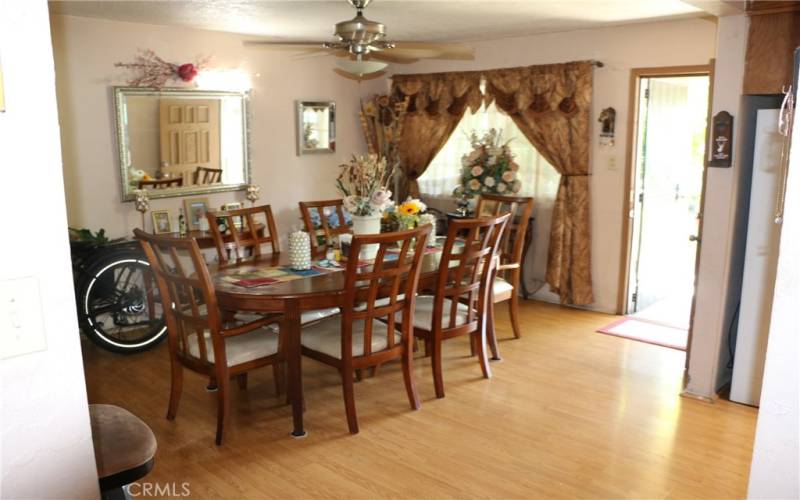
(367, 224)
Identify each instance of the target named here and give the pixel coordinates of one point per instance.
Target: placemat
(280, 274)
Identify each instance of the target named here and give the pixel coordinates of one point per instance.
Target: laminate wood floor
(569, 413)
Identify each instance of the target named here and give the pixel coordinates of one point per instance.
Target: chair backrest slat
(321, 210)
(187, 293)
(512, 244)
(466, 269)
(246, 239)
(382, 288)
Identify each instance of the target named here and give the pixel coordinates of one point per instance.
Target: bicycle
(119, 306)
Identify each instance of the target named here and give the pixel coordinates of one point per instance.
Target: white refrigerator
(760, 262)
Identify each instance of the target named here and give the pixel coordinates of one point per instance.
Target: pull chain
(785, 125)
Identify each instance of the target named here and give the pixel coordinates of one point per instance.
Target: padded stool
(124, 448)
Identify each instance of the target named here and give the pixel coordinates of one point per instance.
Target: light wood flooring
(569, 413)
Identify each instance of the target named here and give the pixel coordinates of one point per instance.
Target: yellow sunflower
(409, 209)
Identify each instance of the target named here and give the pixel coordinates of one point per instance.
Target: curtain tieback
(575, 175)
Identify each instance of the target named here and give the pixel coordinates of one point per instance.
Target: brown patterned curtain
(551, 104)
(436, 103)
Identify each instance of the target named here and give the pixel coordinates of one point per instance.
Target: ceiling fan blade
(433, 50)
(311, 54)
(390, 56)
(285, 45)
(358, 78)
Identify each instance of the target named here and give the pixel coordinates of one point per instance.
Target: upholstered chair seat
(423, 313)
(326, 337)
(241, 348)
(501, 287)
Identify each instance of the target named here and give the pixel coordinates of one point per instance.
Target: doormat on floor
(648, 332)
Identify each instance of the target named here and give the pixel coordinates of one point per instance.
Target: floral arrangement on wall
(151, 70)
(489, 168)
(364, 184)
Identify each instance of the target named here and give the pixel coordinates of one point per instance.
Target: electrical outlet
(21, 325)
(612, 163)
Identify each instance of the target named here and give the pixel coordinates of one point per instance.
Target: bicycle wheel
(119, 304)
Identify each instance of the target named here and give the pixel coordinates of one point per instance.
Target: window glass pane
(539, 179)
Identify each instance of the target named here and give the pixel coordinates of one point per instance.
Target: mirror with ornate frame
(316, 127)
(177, 142)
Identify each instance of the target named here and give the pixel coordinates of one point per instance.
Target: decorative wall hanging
(721, 140)
(152, 71)
(608, 118)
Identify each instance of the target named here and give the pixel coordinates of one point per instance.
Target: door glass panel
(668, 184)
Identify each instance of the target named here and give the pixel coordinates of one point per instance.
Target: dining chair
(511, 252)
(161, 183)
(365, 335)
(256, 228)
(461, 299)
(198, 339)
(244, 233)
(323, 220)
(204, 175)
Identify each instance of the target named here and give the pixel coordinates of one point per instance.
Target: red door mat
(648, 332)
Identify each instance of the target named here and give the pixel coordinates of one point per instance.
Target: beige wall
(85, 53)
(675, 43)
(45, 437)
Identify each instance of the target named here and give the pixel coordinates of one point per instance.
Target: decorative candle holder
(253, 194)
(299, 250)
(142, 203)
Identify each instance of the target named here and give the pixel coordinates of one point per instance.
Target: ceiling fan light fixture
(360, 66)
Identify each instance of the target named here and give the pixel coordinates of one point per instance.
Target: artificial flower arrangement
(489, 168)
(152, 71)
(363, 182)
(407, 214)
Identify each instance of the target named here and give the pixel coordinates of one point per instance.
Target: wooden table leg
(294, 372)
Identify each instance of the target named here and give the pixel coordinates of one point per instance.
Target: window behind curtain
(539, 179)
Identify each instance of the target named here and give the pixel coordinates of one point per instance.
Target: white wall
(86, 50)
(713, 310)
(45, 440)
(621, 48)
(775, 470)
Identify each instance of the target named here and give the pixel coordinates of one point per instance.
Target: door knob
(693, 237)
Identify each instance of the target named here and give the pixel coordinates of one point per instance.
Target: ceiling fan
(363, 43)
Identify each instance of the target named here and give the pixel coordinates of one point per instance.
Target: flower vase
(367, 224)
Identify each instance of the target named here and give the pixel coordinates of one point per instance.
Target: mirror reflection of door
(668, 161)
(190, 137)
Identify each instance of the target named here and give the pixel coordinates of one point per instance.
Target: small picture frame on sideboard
(161, 222)
(235, 205)
(195, 209)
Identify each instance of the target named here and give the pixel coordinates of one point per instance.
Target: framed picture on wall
(195, 209)
(161, 222)
(237, 221)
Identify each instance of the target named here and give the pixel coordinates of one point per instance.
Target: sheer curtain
(539, 179)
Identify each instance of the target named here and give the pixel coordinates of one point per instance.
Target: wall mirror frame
(316, 127)
(206, 134)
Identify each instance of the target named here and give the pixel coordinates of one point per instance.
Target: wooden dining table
(291, 298)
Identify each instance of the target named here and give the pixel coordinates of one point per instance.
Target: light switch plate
(21, 324)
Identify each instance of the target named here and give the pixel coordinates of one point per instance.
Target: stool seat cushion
(501, 286)
(122, 441)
